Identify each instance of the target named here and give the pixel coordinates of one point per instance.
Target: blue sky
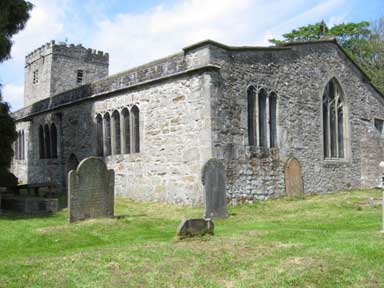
(135, 32)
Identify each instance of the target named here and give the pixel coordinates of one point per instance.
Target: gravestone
(213, 178)
(91, 190)
(294, 185)
(194, 227)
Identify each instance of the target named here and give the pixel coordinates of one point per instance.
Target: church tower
(55, 68)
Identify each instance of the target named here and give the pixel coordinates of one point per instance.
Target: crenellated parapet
(67, 50)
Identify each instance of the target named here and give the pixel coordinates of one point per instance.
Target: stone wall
(193, 106)
(298, 76)
(175, 140)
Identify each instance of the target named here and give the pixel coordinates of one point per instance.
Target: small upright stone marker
(91, 190)
(294, 185)
(194, 227)
(213, 178)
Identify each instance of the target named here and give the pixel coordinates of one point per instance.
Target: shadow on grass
(123, 216)
(12, 213)
(14, 216)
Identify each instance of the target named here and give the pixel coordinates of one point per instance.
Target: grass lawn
(331, 240)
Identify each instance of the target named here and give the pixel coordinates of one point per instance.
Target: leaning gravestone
(91, 190)
(213, 178)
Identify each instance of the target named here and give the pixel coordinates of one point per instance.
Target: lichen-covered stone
(90, 190)
(213, 178)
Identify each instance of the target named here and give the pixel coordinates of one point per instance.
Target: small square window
(35, 76)
(79, 77)
(379, 124)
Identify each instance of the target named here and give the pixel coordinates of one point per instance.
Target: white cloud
(136, 38)
(46, 23)
(13, 94)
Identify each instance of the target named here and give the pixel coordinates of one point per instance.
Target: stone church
(286, 119)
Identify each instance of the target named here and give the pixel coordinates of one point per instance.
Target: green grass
(329, 240)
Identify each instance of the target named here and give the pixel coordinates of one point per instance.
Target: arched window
(251, 93)
(22, 155)
(126, 132)
(99, 135)
(135, 129)
(54, 140)
(116, 147)
(17, 146)
(107, 134)
(41, 142)
(262, 118)
(333, 121)
(272, 119)
(47, 141)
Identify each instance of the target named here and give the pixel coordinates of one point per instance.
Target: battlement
(67, 50)
(56, 67)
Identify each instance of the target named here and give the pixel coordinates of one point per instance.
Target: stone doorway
(294, 184)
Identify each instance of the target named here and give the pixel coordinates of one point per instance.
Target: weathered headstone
(294, 185)
(195, 227)
(91, 190)
(213, 178)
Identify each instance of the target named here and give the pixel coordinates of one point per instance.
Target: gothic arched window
(272, 119)
(54, 140)
(262, 118)
(22, 154)
(41, 143)
(17, 146)
(116, 147)
(333, 121)
(47, 141)
(107, 135)
(99, 135)
(126, 134)
(135, 129)
(251, 93)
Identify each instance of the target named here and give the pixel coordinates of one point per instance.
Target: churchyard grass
(331, 240)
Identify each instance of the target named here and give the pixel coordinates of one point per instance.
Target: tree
(363, 41)
(369, 53)
(13, 16)
(344, 33)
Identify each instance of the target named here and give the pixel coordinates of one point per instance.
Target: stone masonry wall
(174, 139)
(193, 106)
(174, 136)
(56, 66)
(298, 76)
(76, 136)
